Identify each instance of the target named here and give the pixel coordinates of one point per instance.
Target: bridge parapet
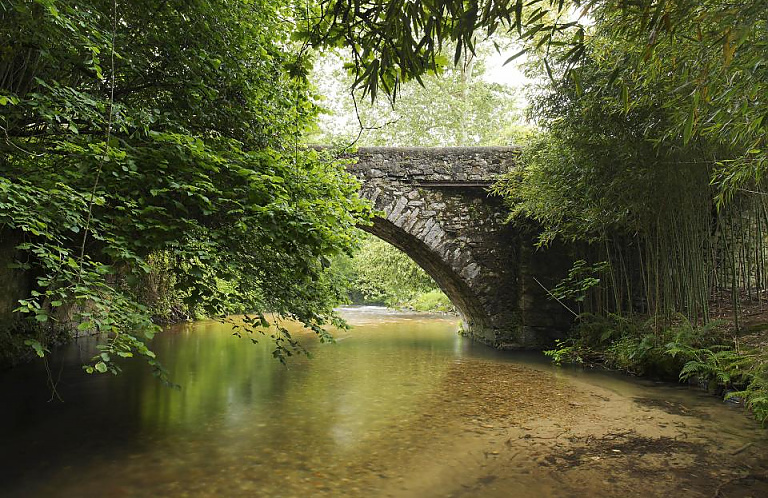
(434, 165)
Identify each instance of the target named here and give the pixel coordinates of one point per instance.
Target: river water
(399, 406)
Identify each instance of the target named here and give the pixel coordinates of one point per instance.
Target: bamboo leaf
(549, 70)
(518, 54)
(688, 127)
(625, 96)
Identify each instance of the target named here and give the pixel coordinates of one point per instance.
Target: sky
(511, 74)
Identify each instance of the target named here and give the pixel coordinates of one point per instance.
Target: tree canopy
(133, 128)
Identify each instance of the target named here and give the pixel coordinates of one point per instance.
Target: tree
(622, 167)
(174, 127)
(596, 179)
(456, 107)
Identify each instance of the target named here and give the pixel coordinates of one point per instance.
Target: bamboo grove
(677, 213)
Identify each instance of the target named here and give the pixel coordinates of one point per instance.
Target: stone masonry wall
(434, 164)
(435, 207)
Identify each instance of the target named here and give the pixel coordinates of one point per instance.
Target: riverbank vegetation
(651, 164)
(380, 274)
(732, 366)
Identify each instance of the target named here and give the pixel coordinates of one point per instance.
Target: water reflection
(399, 406)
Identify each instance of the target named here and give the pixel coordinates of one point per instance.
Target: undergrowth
(678, 349)
(434, 300)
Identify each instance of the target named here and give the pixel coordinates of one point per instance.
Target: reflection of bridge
(437, 210)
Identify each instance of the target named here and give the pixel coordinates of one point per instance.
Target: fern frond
(692, 368)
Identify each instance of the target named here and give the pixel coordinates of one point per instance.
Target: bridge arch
(433, 204)
(447, 278)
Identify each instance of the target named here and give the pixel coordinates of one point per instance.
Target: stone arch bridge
(435, 206)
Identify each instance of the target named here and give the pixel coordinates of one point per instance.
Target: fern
(682, 349)
(727, 368)
(694, 368)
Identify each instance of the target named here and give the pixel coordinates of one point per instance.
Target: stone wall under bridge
(434, 205)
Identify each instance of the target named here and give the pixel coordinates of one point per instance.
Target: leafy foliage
(635, 346)
(380, 273)
(581, 278)
(703, 355)
(393, 42)
(164, 128)
(565, 351)
(434, 300)
(738, 374)
(711, 54)
(617, 172)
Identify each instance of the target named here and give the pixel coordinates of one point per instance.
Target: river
(399, 406)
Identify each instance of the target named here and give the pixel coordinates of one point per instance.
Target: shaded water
(399, 406)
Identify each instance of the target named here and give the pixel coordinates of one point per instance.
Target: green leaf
(688, 127)
(39, 349)
(101, 367)
(625, 97)
(549, 70)
(515, 56)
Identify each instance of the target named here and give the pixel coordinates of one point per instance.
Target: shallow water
(399, 406)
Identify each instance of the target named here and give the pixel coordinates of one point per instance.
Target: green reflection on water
(241, 421)
(337, 399)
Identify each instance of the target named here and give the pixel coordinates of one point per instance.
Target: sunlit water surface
(400, 405)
